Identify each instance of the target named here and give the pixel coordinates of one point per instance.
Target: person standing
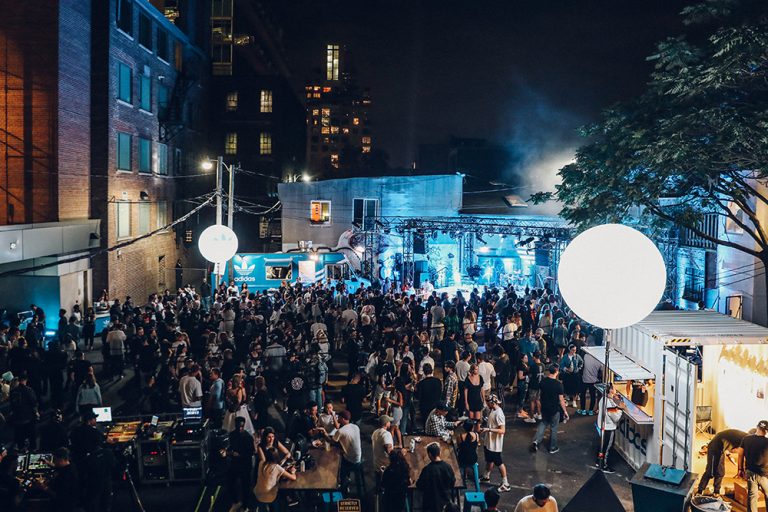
(753, 464)
(589, 377)
(347, 436)
(428, 391)
(382, 444)
(63, 486)
(436, 481)
(116, 343)
(190, 389)
(242, 448)
(494, 443)
(216, 398)
(613, 407)
(24, 414)
(724, 441)
(540, 501)
(395, 482)
(437, 327)
(552, 405)
(487, 372)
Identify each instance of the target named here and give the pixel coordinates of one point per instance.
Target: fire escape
(171, 114)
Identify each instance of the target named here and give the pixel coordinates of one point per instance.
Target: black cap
(763, 424)
(442, 406)
(89, 415)
(553, 368)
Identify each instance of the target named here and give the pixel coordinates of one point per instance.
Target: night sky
(524, 74)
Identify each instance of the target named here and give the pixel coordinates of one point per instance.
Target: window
(124, 141)
(144, 209)
(266, 101)
(693, 288)
(145, 92)
(320, 212)
(265, 143)
(162, 45)
(365, 212)
(230, 143)
(366, 140)
(232, 101)
(332, 62)
(355, 121)
(123, 219)
(162, 214)
(145, 155)
(162, 159)
(221, 8)
(335, 160)
(163, 97)
(125, 16)
(124, 82)
(366, 149)
(278, 273)
(145, 31)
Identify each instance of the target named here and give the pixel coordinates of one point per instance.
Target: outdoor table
(419, 458)
(324, 476)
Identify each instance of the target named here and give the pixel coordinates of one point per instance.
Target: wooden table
(324, 476)
(419, 458)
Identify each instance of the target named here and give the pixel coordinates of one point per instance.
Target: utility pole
(219, 171)
(231, 215)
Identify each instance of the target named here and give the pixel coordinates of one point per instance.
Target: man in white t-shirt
(190, 389)
(494, 443)
(509, 329)
(348, 437)
(487, 372)
(540, 501)
(382, 443)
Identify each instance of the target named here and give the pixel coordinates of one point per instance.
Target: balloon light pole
(218, 243)
(611, 276)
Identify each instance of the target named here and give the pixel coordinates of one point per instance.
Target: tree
(697, 138)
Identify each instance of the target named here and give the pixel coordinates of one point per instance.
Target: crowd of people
(259, 363)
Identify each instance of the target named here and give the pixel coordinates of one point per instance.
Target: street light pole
(231, 214)
(219, 171)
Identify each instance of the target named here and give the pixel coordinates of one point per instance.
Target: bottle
(302, 466)
(413, 445)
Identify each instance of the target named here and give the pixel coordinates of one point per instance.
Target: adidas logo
(245, 269)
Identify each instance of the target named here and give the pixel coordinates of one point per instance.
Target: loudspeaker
(541, 257)
(420, 266)
(420, 278)
(419, 243)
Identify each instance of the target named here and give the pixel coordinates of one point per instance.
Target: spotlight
(484, 250)
(206, 165)
(525, 242)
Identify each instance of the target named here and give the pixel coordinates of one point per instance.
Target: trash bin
(659, 489)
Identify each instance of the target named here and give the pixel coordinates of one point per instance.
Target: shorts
(534, 394)
(492, 457)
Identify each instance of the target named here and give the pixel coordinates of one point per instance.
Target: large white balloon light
(217, 243)
(612, 276)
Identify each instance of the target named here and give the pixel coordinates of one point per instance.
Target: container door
(678, 405)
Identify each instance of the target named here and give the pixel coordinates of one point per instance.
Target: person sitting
(270, 472)
(437, 424)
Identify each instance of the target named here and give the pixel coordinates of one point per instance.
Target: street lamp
(612, 276)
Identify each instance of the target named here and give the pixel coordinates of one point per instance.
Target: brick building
(45, 155)
(338, 125)
(147, 86)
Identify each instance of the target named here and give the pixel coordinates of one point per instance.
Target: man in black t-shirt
(753, 463)
(428, 391)
(436, 481)
(552, 404)
(724, 441)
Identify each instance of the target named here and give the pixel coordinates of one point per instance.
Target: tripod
(127, 454)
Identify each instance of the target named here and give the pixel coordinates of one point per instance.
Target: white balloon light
(217, 243)
(612, 276)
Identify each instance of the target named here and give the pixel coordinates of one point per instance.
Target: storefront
(703, 372)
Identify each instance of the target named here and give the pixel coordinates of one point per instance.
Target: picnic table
(324, 476)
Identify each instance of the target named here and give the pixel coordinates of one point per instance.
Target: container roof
(624, 367)
(701, 328)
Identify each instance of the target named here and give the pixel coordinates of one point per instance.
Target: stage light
(612, 276)
(217, 243)
(527, 241)
(484, 250)
(314, 257)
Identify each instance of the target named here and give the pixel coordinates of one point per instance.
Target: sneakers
(529, 420)
(580, 412)
(504, 488)
(590, 413)
(534, 446)
(574, 404)
(485, 479)
(537, 417)
(554, 450)
(608, 469)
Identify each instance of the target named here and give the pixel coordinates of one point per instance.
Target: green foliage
(697, 136)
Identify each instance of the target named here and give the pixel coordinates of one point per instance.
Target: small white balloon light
(217, 243)
(612, 276)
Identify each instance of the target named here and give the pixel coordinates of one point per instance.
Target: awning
(686, 328)
(621, 365)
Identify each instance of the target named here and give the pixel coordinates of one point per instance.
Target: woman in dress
(395, 400)
(395, 482)
(236, 399)
(474, 401)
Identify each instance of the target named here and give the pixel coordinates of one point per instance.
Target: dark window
(364, 212)
(145, 31)
(124, 82)
(124, 151)
(693, 288)
(162, 45)
(125, 16)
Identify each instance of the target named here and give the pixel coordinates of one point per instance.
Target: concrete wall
(408, 196)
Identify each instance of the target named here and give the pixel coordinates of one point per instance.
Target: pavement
(565, 472)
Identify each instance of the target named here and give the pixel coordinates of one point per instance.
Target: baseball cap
(384, 419)
(494, 399)
(89, 415)
(442, 406)
(763, 424)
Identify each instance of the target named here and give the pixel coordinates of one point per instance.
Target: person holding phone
(614, 406)
(494, 443)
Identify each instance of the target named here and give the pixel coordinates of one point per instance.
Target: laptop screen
(103, 414)
(192, 415)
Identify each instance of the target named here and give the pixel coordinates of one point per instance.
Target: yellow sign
(349, 505)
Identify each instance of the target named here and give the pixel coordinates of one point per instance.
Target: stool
(330, 498)
(476, 497)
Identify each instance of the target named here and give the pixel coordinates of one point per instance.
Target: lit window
(326, 112)
(145, 155)
(124, 151)
(334, 129)
(124, 82)
(144, 210)
(366, 140)
(230, 143)
(316, 88)
(309, 95)
(265, 143)
(345, 131)
(123, 219)
(355, 121)
(315, 95)
(325, 130)
(266, 101)
(320, 212)
(326, 89)
(335, 160)
(332, 62)
(308, 88)
(162, 214)
(366, 149)
(315, 112)
(232, 101)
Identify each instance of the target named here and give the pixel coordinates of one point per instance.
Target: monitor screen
(40, 461)
(192, 415)
(154, 421)
(103, 414)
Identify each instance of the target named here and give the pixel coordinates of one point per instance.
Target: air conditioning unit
(124, 196)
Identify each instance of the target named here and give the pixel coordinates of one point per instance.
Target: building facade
(147, 85)
(338, 125)
(45, 220)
